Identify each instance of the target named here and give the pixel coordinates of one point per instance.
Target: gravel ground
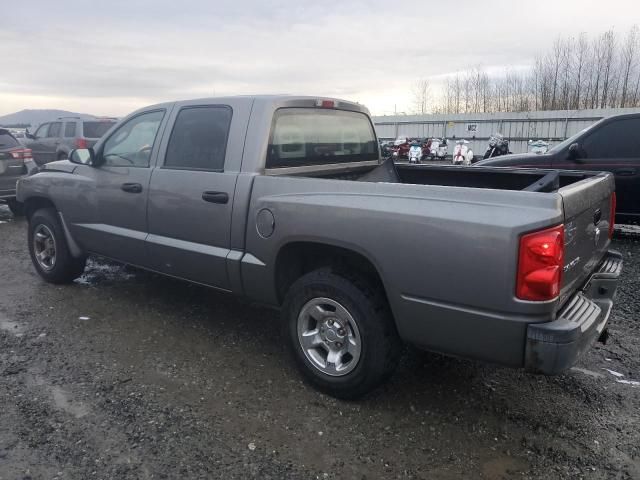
(128, 375)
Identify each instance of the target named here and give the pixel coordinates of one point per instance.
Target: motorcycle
(415, 152)
(539, 146)
(498, 146)
(438, 149)
(462, 154)
(386, 149)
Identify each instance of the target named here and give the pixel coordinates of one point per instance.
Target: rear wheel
(341, 332)
(49, 249)
(16, 207)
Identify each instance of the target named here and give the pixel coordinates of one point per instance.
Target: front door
(614, 147)
(114, 220)
(191, 196)
(37, 144)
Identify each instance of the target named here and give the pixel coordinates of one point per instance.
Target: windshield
(565, 143)
(96, 129)
(312, 136)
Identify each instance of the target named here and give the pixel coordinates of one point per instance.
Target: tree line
(576, 73)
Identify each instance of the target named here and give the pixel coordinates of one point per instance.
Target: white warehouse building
(518, 127)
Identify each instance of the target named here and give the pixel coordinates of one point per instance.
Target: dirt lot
(128, 375)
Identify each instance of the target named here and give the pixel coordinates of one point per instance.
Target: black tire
(16, 207)
(66, 268)
(381, 346)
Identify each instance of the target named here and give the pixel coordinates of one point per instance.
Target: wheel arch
(35, 203)
(296, 258)
(32, 204)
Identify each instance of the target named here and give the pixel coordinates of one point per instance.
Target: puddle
(62, 401)
(99, 271)
(11, 326)
(633, 383)
(587, 372)
(617, 375)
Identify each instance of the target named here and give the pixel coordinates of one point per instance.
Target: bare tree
(609, 45)
(629, 59)
(422, 96)
(579, 62)
(575, 73)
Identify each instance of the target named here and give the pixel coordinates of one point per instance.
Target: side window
(132, 143)
(618, 139)
(42, 130)
(70, 129)
(54, 130)
(199, 139)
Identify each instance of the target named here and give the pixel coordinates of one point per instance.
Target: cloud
(113, 57)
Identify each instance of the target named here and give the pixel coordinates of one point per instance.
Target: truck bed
(457, 176)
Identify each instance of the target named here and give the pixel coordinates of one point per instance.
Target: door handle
(131, 187)
(215, 197)
(625, 171)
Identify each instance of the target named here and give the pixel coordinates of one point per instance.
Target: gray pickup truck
(285, 201)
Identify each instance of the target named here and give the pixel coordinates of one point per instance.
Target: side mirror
(82, 156)
(575, 152)
(28, 134)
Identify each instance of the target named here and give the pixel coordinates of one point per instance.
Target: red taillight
(540, 264)
(612, 214)
(81, 143)
(21, 153)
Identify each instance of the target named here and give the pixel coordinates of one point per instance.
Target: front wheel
(49, 250)
(341, 332)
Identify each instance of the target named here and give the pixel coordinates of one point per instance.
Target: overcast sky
(111, 57)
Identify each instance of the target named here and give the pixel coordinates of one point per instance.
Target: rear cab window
(318, 136)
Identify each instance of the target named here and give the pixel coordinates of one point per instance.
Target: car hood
(64, 166)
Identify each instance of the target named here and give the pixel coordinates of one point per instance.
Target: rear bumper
(553, 347)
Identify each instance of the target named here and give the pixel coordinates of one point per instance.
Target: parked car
(12, 166)
(612, 144)
(285, 201)
(54, 140)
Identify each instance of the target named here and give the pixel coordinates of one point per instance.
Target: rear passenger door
(191, 193)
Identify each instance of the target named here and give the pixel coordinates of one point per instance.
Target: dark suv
(54, 140)
(611, 144)
(13, 165)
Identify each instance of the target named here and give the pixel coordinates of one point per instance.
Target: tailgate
(587, 212)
